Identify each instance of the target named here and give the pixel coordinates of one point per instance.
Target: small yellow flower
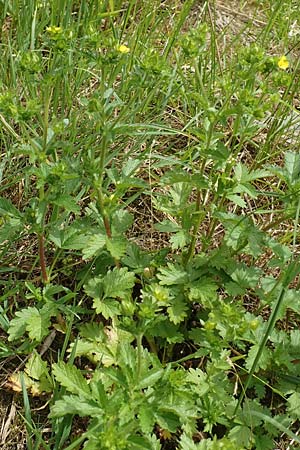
(123, 49)
(283, 63)
(53, 29)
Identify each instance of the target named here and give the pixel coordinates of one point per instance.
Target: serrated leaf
(17, 326)
(67, 202)
(186, 443)
(93, 331)
(36, 367)
(233, 289)
(263, 361)
(175, 176)
(108, 307)
(71, 404)
(167, 420)
(135, 258)
(263, 442)
(241, 434)
(179, 240)
(116, 246)
(130, 167)
(38, 324)
(237, 200)
(203, 291)
(294, 405)
(243, 175)
(118, 283)
(166, 330)
(93, 245)
(7, 208)
(33, 321)
(292, 166)
(71, 378)
(246, 277)
(146, 418)
(121, 221)
(151, 378)
(167, 226)
(177, 311)
(199, 378)
(172, 275)
(74, 236)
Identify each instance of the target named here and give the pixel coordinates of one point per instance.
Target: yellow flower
(123, 49)
(283, 63)
(53, 29)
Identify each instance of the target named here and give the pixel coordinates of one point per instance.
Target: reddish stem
(107, 226)
(43, 258)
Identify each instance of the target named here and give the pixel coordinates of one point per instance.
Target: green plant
(185, 341)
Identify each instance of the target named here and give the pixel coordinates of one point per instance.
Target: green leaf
(199, 378)
(263, 442)
(151, 378)
(67, 202)
(277, 424)
(135, 258)
(146, 418)
(166, 330)
(72, 237)
(71, 404)
(116, 246)
(246, 277)
(130, 167)
(17, 326)
(93, 245)
(33, 321)
(177, 311)
(264, 360)
(95, 351)
(7, 208)
(294, 405)
(167, 226)
(179, 240)
(71, 378)
(243, 175)
(121, 222)
(108, 307)
(118, 283)
(203, 291)
(38, 324)
(237, 200)
(36, 367)
(167, 420)
(186, 443)
(241, 434)
(172, 275)
(292, 166)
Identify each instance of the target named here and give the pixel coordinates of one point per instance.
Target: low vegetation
(149, 220)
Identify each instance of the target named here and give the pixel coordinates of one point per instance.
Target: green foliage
(149, 216)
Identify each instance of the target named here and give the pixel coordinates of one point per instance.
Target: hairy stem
(41, 243)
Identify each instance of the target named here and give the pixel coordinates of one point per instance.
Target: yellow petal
(283, 63)
(123, 49)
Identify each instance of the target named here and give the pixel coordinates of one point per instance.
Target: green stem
(46, 120)
(196, 227)
(99, 184)
(139, 339)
